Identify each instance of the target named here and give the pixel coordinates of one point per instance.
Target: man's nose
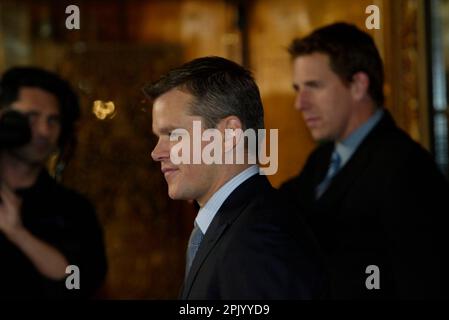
(301, 101)
(42, 128)
(161, 151)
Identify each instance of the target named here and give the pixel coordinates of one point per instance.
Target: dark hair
(220, 88)
(350, 50)
(18, 77)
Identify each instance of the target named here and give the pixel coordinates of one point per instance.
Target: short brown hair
(220, 88)
(350, 50)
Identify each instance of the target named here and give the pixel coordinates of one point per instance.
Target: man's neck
(16, 173)
(359, 117)
(226, 174)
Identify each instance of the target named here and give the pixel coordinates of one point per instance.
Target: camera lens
(14, 130)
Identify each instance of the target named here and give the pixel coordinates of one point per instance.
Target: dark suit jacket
(65, 220)
(251, 252)
(388, 206)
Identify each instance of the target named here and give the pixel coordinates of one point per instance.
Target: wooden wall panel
(123, 44)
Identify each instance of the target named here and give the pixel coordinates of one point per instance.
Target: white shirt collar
(210, 209)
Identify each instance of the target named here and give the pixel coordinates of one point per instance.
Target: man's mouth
(311, 121)
(168, 171)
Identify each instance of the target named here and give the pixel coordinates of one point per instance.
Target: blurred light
(103, 110)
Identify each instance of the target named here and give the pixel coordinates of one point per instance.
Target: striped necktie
(194, 243)
(334, 166)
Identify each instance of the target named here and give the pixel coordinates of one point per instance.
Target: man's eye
(54, 121)
(31, 116)
(315, 85)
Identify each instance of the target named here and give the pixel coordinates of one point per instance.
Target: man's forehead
(163, 123)
(174, 104)
(36, 109)
(34, 99)
(173, 98)
(37, 92)
(170, 121)
(315, 56)
(312, 66)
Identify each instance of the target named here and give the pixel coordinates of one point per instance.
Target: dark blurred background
(122, 45)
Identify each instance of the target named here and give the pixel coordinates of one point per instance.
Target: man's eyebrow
(55, 116)
(167, 129)
(312, 82)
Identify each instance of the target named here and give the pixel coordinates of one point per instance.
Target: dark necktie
(334, 166)
(194, 243)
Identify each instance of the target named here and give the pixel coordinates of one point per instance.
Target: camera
(14, 130)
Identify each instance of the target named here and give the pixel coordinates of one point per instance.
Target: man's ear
(359, 85)
(231, 128)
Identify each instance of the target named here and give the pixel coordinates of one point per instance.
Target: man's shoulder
(73, 195)
(264, 215)
(267, 229)
(397, 148)
(60, 193)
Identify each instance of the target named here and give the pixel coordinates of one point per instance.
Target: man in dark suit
(373, 197)
(46, 229)
(243, 245)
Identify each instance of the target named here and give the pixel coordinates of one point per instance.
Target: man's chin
(172, 194)
(39, 158)
(318, 137)
(321, 137)
(31, 158)
(177, 195)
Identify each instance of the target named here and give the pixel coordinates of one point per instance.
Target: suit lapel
(322, 164)
(210, 240)
(228, 212)
(359, 161)
(342, 182)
